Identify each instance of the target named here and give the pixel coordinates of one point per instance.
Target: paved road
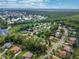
(17, 54)
(3, 53)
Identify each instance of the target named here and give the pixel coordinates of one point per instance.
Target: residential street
(56, 45)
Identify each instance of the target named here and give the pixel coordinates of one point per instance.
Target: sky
(50, 4)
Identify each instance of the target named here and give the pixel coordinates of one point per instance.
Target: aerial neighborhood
(38, 36)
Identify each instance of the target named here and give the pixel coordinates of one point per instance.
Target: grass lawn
(20, 55)
(1, 50)
(8, 54)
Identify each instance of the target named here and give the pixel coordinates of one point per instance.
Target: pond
(3, 31)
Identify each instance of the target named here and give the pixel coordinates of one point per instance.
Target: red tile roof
(15, 50)
(62, 54)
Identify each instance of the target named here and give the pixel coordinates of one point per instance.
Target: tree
(76, 53)
(2, 22)
(62, 31)
(2, 39)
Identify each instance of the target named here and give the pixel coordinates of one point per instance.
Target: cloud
(39, 4)
(23, 3)
(11, 0)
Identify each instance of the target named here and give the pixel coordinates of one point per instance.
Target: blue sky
(56, 4)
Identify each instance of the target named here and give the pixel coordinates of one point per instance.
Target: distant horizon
(41, 8)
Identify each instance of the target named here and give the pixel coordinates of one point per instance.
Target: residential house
(7, 45)
(62, 54)
(15, 50)
(72, 40)
(28, 55)
(68, 48)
